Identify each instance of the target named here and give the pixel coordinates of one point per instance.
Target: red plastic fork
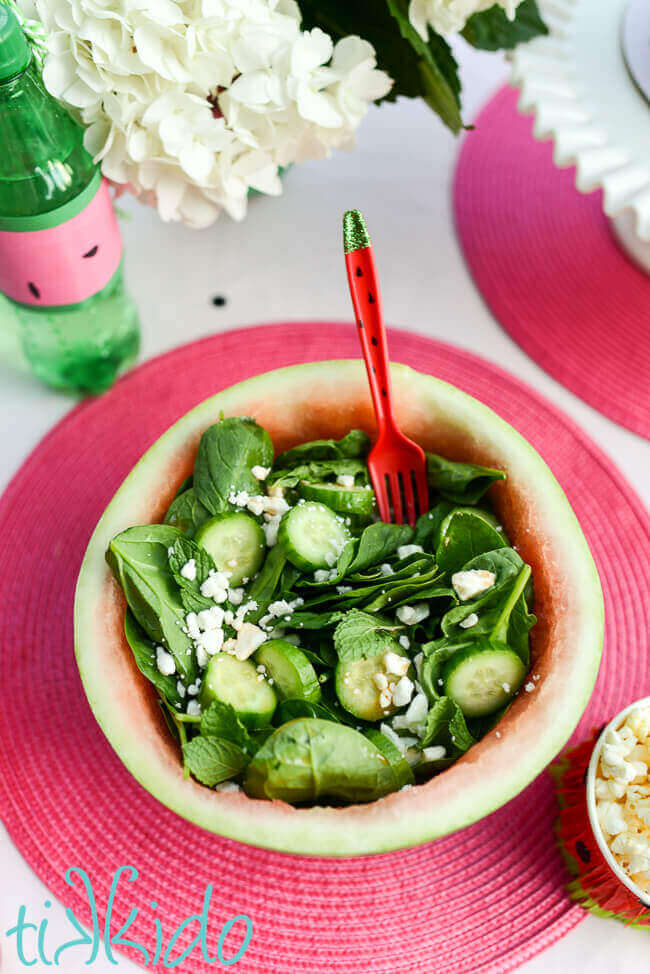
(397, 465)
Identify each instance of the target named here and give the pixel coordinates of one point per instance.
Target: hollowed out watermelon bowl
(327, 399)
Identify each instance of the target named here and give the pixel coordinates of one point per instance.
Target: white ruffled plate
(578, 85)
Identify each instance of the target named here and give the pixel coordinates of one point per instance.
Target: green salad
(304, 650)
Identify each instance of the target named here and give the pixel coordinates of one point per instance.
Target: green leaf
(492, 30)
(293, 708)
(182, 551)
(227, 452)
(212, 760)
(360, 636)
(317, 471)
(446, 727)
(187, 513)
(353, 445)
(427, 528)
(220, 720)
(138, 557)
(437, 67)
(144, 654)
(265, 586)
(466, 533)
(460, 483)
(506, 565)
(419, 69)
(377, 543)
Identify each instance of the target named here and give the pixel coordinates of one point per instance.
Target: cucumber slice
(236, 543)
(357, 690)
(293, 675)
(236, 682)
(344, 500)
(400, 766)
(482, 678)
(312, 536)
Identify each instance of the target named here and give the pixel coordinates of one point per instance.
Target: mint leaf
(317, 471)
(183, 551)
(491, 30)
(360, 636)
(220, 720)
(212, 760)
(227, 451)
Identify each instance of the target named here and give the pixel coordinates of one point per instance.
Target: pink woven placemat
(486, 899)
(545, 260)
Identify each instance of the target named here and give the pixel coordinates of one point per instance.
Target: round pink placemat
(546, 263)
(483, 900)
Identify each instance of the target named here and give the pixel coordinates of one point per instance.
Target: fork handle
(366, 301)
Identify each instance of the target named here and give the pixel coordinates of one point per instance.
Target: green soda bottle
(60, 245)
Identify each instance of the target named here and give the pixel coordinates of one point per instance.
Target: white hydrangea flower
(190, 104)
(450, 16)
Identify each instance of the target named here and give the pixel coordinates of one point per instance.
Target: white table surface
(284, 263)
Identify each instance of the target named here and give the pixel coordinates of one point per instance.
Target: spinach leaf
(506, 565)
(265, 585)
(187, 513)
(182, 551)
(144, 654)
(359, 636)
(353, 445)
(312, 620)
(464, 534)
(227, 452)
(377, 543)
(446, 726)
(492, 30)
(220, 720)
(317, 471)
(293, 708)
(461, 483)
(138, 557)
(211, 759)
(427, 528)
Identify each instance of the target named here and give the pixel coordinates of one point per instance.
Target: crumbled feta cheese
(202, 657)
(410, 615)
(249, 638)
(271, 528)
(403, 691)
(386, 569)
(506, 687)
(342, 589)
(193, 688)
(529, 687)
(395, 664)
(414, 718)
(385, 699)
(215, 587)
(256, 505)
(469, 621)
(210, 642)
(404, 642)
(436, 753)
(192, 625)
(405, 550)
(236, 596)
(226, 786)
(238, 498)
(345, 480)
(165, 661)
(241, 614)
(180, 688)
(380, 680)
(260, 473)
(194, 708)
(471, 583)
(188, 570)
(210, 618)
(276, 491)
(401, 743)
(325, 575)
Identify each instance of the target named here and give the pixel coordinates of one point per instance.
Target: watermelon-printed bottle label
(64, 260)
